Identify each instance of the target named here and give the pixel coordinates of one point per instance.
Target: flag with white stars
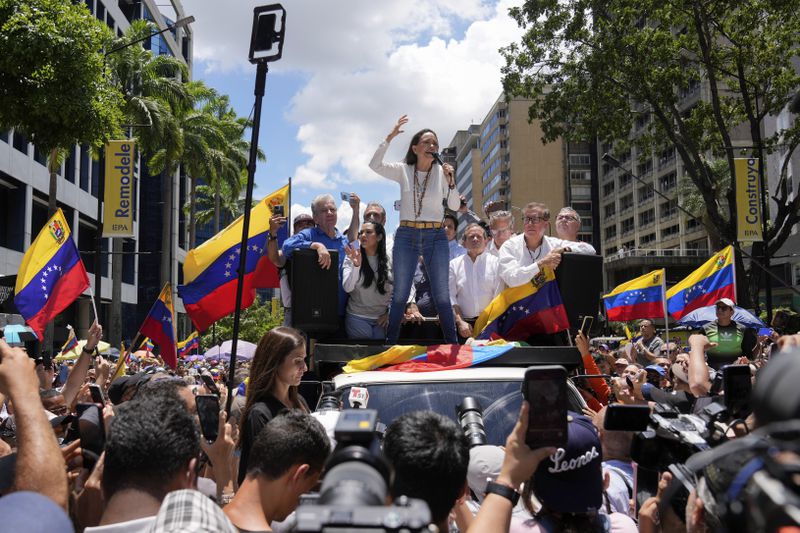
(211, 270)
(51, 275)
(715, 279)
(519, 312)
(642, 297)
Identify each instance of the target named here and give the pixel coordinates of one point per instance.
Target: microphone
(437, 158)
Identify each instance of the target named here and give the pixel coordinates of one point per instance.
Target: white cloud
(368, 63)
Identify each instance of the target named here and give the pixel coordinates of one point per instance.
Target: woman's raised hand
(397, 130)
(354, 253)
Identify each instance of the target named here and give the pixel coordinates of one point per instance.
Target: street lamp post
(266, 45)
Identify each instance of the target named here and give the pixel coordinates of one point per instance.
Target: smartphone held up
(545, 389)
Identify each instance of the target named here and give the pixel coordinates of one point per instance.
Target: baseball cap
(680, 373)
(571, 480)
(484, 462)
(34, 512)
(302, 217)
(725, 301)
(622, 361)
(118, 387)
(656, 368)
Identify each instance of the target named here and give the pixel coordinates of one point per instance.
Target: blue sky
(348, 71)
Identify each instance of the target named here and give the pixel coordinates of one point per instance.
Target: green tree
(255, 321)
(152, 87)
(53, 84)
(593, 69)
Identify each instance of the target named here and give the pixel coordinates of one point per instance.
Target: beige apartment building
(504, 159)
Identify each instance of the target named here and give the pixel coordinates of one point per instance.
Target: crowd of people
(155, 469)
(154, 449)
(423, 271)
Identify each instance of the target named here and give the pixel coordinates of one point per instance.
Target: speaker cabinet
(315, 292)
(580, 280)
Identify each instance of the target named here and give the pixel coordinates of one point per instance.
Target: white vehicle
(497, 390)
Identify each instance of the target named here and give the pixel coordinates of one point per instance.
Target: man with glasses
(502, 225)
(568, 224)
(522, 257)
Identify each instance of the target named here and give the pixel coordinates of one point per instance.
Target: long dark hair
(273, 348)
(367, 274)
(411, 157)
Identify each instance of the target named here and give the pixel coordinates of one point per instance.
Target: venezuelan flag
(210, 270)
(715, 279)
(642, 297)
(519, 312)
(159, 325)
(51, 275)
(416, 358)
(190, 343)
(72, 342)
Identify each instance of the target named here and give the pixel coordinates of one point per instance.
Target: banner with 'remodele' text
(748, 200)
(118, 197)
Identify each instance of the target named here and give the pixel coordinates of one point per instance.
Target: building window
(20, 142)
(611, 232)
(669, 209)
(668, 182)
(645, 168)
(626, 203)
(610, 210)
(625, 180)
(647, 217)
(645, 193)
(580, 159)
(580, 175)
(608, 189)
(670, 231)
(627, 226)
(693, 224)
(647, 239)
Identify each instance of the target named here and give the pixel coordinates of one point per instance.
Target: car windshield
(500, 401)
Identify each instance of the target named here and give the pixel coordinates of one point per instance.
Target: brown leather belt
(420, 225)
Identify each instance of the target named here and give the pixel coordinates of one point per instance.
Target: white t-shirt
(131, 526)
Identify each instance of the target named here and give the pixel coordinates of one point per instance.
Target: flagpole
(664, 302)
(91, 293)
(733, 263)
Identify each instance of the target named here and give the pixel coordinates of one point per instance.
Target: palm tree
(153, 90)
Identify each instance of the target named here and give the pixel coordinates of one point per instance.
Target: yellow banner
(118, 197)
(748, 201)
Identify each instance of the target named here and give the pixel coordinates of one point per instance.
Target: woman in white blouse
(367, 277)
(424, 185)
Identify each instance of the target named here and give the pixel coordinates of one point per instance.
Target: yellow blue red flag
(192, 342)
(210, 270)
(715, 279)
(51, 275)
(643, 297)
(519, 312)
(159, 325)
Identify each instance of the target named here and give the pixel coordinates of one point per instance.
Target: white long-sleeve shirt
(518, 264)
(473, 285)
(432, 210)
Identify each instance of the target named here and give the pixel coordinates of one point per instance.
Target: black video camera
(470, 415)
(356, 485)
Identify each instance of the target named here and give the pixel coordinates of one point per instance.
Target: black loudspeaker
(580, 280)
(315, 292)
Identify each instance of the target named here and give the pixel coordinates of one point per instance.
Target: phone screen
(545, 388)
(208, 412)
(738, 385)
(97, 394)
(345, 196)
(277, 210)
(586, 325)
(626, 417)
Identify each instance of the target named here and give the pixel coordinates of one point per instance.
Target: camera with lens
(470, 416)
(356, 485)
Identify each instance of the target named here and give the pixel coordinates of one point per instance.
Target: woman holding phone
(278, 366)
(367, 278)
(425, 184)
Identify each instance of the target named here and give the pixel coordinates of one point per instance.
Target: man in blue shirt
(322, 237)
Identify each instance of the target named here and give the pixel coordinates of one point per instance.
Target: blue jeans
(409, 245)
(363, 328)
